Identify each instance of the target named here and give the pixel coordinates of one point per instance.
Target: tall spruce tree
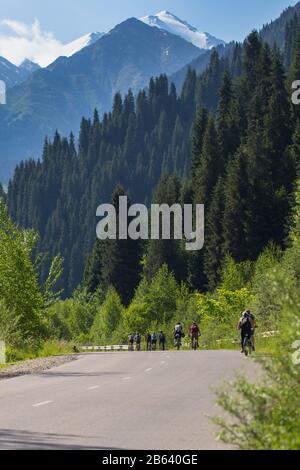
(214, 239)
(199, 128)
(168, 252)
(115, 263)
(211, 165)
(227, 120)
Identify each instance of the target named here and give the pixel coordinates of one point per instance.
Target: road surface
(153, 401)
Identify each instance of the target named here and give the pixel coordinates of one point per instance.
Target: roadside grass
(45, 349)
(264, 346)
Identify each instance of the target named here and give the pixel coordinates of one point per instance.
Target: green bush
(107, 318)
(266, 415)
(220, 312)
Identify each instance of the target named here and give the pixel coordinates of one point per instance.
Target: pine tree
(227, 120)
(211, 165)
(214, 242)
(237, 193)
(166, 252)
(197, 139)
(278, 123)
(115, 263)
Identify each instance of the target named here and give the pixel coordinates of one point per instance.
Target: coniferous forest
(228, 139)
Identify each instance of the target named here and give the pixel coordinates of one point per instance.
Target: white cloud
(28, 42)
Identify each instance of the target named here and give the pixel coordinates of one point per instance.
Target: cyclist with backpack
(162, 341)
(178, 334)
(148, 341)
(153, 341)
(138, 340)
(130, 341)
(194, 333)
(246, 325)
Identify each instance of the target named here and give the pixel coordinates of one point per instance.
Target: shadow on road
(11, 439)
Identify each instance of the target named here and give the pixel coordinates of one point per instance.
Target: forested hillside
(133, 145)
(242, 168)
(58, 96)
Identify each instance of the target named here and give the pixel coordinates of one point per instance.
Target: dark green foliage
(166, 252)
(133, 145)
(115, 263)
(197, 139)
(211, 165)
(213, 254)
(245, 155)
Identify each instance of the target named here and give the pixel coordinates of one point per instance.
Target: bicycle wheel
(247, 346)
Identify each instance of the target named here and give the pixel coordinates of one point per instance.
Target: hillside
(58, 96)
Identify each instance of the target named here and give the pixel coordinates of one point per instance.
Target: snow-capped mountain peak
(75, 46)
(171, 23)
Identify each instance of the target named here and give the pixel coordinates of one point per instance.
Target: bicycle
(247, 345)
(195, 344)
(177, 342)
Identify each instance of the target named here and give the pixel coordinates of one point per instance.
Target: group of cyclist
(135, 340)
(246, 326)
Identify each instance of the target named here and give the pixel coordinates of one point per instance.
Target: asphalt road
(152, 401)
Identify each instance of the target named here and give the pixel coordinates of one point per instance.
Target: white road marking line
(148, 370)
(163, 362)
(93, 388)
(126, 378)
(43, 403)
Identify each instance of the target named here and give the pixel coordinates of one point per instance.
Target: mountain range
(58, 96)
(13, 75)
(93, 69)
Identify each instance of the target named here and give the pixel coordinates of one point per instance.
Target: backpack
(138, 338)
(246, 325)
(161, 337)
(194, 329)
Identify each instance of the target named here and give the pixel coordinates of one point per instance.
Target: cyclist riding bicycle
(153, 341)
(162, 341)
(178, 332)
(138, 340)
(148, 341)
(247, 326)
(194, 332)
(131, 341)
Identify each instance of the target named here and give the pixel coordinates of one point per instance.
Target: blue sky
(68, 19)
